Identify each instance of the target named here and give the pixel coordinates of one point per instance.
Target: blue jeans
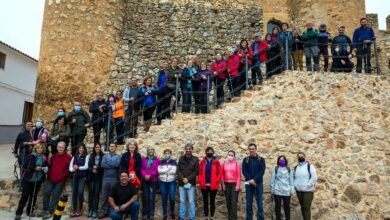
(184, 193)
(257, 192)
(148, 198)
(56, 189)
(168, 189)
(132, 210)
(78, 183)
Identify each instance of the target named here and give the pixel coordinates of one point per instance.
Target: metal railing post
(286, 49)
(108, 128)
(208, 94)
(176, 92)
(246, 72)
(378, 70)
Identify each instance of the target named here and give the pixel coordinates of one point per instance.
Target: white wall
(17, 84)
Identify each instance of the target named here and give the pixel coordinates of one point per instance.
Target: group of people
(114, 180)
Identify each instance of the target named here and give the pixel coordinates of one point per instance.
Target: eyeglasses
(252, 148)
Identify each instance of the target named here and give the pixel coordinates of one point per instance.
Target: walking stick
(132, 119)
(231, 86)
(32, 200)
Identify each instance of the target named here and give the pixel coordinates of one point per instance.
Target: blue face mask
(38, 124)
(167, 156)
(77, 108)
(60, 113)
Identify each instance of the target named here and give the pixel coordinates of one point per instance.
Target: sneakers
(46, 215)
(18, 217)
(94, 214)
(90, 213)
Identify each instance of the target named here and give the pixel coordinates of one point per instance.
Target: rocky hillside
(341, 122)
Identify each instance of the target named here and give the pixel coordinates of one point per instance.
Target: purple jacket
(152, 171)
(202, 83)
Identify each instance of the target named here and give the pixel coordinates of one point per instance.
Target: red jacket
(262, 49)
(233, 63)
(241, 55)
(219, 67)
(216, 174)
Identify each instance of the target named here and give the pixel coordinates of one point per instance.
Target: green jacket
(64, 131)
(82, 118)
(310, 37)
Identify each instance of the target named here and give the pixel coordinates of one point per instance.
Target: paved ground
(8, 134)
(4, 215)
(7, 161)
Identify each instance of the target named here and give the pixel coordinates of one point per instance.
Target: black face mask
(209, 155)
(301, 159)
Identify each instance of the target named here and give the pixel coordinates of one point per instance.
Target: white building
(18, 75)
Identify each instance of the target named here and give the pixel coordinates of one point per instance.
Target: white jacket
(282, 181)
(302, 182)
(167, 171)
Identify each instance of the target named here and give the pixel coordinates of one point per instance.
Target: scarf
(150, 161)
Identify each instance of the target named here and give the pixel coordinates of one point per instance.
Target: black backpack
(308, 170)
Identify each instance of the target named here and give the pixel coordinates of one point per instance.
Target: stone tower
(84, 42)
(388, 23)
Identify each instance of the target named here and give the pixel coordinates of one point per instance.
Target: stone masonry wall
(155, 31)
(79, 41)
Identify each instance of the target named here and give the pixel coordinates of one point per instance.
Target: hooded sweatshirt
(302, 180)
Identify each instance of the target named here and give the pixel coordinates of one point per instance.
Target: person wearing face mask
(149, 172)
(341, 61)
(60, 112)
(362, 40)
(39, 133)
(305, 179)
(231, 183)
(209, 176)
(79, 122)
(282, 186)
(187, 170)
(167, 176)
(59, 132)
(310, 42)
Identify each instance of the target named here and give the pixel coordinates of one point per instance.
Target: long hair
(280, 157)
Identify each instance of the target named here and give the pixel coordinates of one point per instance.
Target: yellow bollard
(60, 207)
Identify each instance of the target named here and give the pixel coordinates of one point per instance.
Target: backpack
(277, 167)
(308, 170)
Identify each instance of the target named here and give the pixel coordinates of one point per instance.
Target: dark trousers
(168, 189)
(286, 206)
(207, 195)
(131, 121)
(56, 190)
(256, 71)
(305, 200)
(187, 100)
(94, 187)
(219, 83)
(148, 199)
(76, 140)
(78, 183)
(107, 185)
(242, 76)
(323, 50)
(119, 126)
(363, 54)
(233, 84)
(231, 196)
(148, 112)
(163, 106)
(29, 193)
(203, 102)
(97, 128)
(197, 101)
(257, 193)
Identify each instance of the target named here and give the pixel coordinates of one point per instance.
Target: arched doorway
(273, 23)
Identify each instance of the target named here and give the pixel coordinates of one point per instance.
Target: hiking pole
(286, 50)
(378, 70)
(246, 72)
(32, 200)
(108, 128)
(231, 86)
(176, 92)
(365, 51)
(208, 95)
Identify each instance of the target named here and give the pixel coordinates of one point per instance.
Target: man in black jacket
(97, 109)
(187, 170)
(23, 143)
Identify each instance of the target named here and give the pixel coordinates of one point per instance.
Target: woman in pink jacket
(149, 173)
(231, 182)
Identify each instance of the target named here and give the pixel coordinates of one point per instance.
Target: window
(2, 60)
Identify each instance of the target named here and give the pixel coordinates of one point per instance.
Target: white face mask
(230, 158)
(337, 49)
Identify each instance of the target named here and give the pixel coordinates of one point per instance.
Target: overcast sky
(21, 22)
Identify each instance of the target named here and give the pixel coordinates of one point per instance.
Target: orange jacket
(119, 111)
